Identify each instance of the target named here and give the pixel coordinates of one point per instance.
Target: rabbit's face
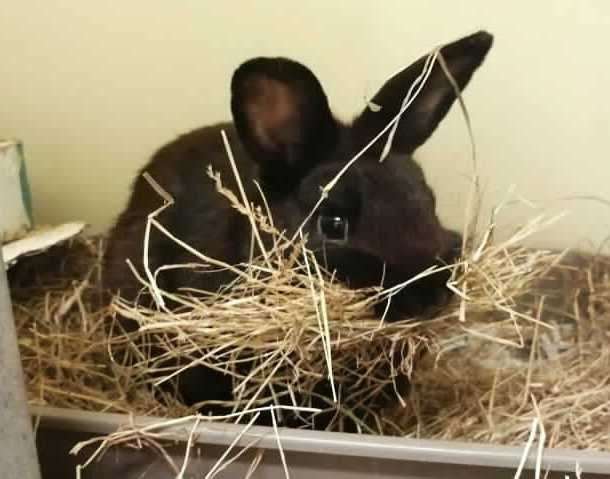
(380, 218)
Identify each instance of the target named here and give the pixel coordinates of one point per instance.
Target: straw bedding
(526, 335)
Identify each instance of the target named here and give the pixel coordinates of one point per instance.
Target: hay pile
(489, 392)
(525, 336)
(63, 335)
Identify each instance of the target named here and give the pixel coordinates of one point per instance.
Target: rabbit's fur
(284, 136)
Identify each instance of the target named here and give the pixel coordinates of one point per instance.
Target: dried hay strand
(482, 392)
(63, 335)
(529, 323)
(525, 337)
(293, 325)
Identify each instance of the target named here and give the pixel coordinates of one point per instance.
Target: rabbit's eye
(333, 228)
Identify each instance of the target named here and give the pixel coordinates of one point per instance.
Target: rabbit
(379, 220)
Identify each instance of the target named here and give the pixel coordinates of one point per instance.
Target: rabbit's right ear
(282, 116)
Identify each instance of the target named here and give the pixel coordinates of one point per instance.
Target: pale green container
(16, 217)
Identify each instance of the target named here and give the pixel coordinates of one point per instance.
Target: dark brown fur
(284, 136)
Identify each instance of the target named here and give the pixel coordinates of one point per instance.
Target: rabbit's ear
(282, 115)
(421, 118)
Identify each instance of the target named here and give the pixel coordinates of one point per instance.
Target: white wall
(93, 87)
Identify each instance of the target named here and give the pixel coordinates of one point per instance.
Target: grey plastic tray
(308, 454)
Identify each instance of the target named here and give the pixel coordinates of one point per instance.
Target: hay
(491, 394)
(524, 339)
(511, 333)
(63, 334)
(524, 323)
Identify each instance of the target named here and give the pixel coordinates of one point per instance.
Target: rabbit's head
(380, 217)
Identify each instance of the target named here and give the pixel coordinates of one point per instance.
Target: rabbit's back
(200, 216)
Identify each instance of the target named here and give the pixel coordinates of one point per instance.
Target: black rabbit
(379, 216)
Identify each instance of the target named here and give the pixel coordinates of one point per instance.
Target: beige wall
(92, 87)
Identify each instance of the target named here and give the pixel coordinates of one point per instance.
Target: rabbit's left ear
(419, 121)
